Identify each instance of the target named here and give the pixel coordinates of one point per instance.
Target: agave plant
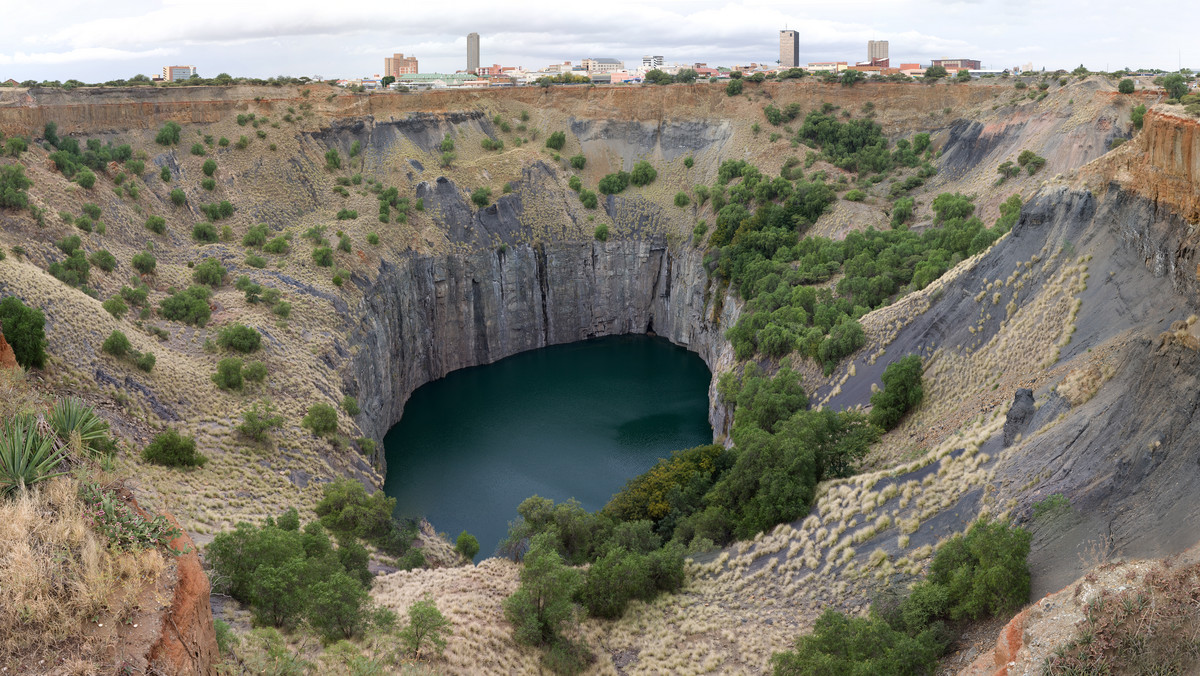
(27, 456)
(77, 424)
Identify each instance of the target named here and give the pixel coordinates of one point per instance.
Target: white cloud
(272, 37)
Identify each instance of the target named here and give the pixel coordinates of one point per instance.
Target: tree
(13, 183)
(336, 606)
(1008, 169)
(425, 627)
(643, 173)
(387, 80)
(902, 392)
(1125, 86)
(578, 161)
(321, 420)
(850, 77)
(1175, 85)
(332, 159)
(963, 75)
(467, 545)
(24, 329)
(117, 344)
(229, 374)
(935, 72)
(734, 87)
(686, 76)
(85, 178)
(481, 196)
(542, 604)
(556, 140)
(144, 262)
(209, 272)
(858, 646)
(240, 338)
(168, 134)
(259, 421)
(173, 450)
(1137, 115)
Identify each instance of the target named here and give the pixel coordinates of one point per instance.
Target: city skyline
(95, 43)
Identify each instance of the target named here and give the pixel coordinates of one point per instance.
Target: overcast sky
(95, 41)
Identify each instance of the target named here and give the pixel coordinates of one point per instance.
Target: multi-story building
(175, 73)
(399, 64)
(472, 52)
(603, 65)
(789, 49)
(652, 62)
(955, 65)
(819, 66)
(877, 49)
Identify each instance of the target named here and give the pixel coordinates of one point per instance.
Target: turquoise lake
(569, 421)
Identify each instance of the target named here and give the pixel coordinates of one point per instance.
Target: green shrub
(688, 161)
(1125, 86)
(481, 196)
(145, 361)
(333, 161)
(321, 420)
(173, 450)
(323, 256)
(733, 88)
(205, 233)
(189, 306)
(144, 262)
(240, 338)
(229, 374)
(902, 392)
(117, 344)
(467, 545)
(681, 199)
(542, 605)
(350, 405)
(858, 646)
(165, 174)
(13, 183)
(85, 178)
(556, 140)
(116, 307)
(588, 198)
(156, 224)
(210, 167)
(612, 184)
(601, 232)
(177, 197)
(198, 149)
(259, 421)
(578, 161)
(254, 372)
(277, 245)
(103, 260)
(209, 272)
(346, 214)
(1137, 115)
(168, 134)
(643, 173)
(855, 196)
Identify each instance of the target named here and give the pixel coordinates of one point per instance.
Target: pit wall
(425, 316)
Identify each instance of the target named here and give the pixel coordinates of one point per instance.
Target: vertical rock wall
(426, 316)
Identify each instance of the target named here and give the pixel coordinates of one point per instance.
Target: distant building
(789, 49)
(603, 65)
(877, 49)
(564, 67)
(175, 73)
(11, 83)
(652, 62)
(819, 66)
(399, 64)
(955, 65)
(472, 52)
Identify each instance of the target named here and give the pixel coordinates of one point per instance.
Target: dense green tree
(542, 605)
(856, 646)
(1175, 85)
(734, 87)
(467, 545)
(210, 167)
(23, 328)
(643, 173)
(850, 77)
(168, 134)
(321, 419)
(13, 183)
(1137, 115)
(1125, 86)
(209, 272)
(333, 161)
(902, 392)
(144, 262)
(556, 140)
(172, 449)
(935, 73)
(612, 184)
(229, 374)
(117, 344)
(189, 306)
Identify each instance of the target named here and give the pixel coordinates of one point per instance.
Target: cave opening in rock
(567, 421)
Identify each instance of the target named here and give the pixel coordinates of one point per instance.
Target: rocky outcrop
(187, 643)
(8, 359)
(1019, 415)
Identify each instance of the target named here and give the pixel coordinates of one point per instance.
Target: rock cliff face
(426, 316)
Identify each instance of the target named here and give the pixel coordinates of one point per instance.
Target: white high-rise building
(877, 49)
(652, 62)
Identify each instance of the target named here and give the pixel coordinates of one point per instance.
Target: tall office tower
(789, 49)
(472, 52)
(877, 49)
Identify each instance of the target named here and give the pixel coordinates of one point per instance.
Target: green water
(567, 421)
